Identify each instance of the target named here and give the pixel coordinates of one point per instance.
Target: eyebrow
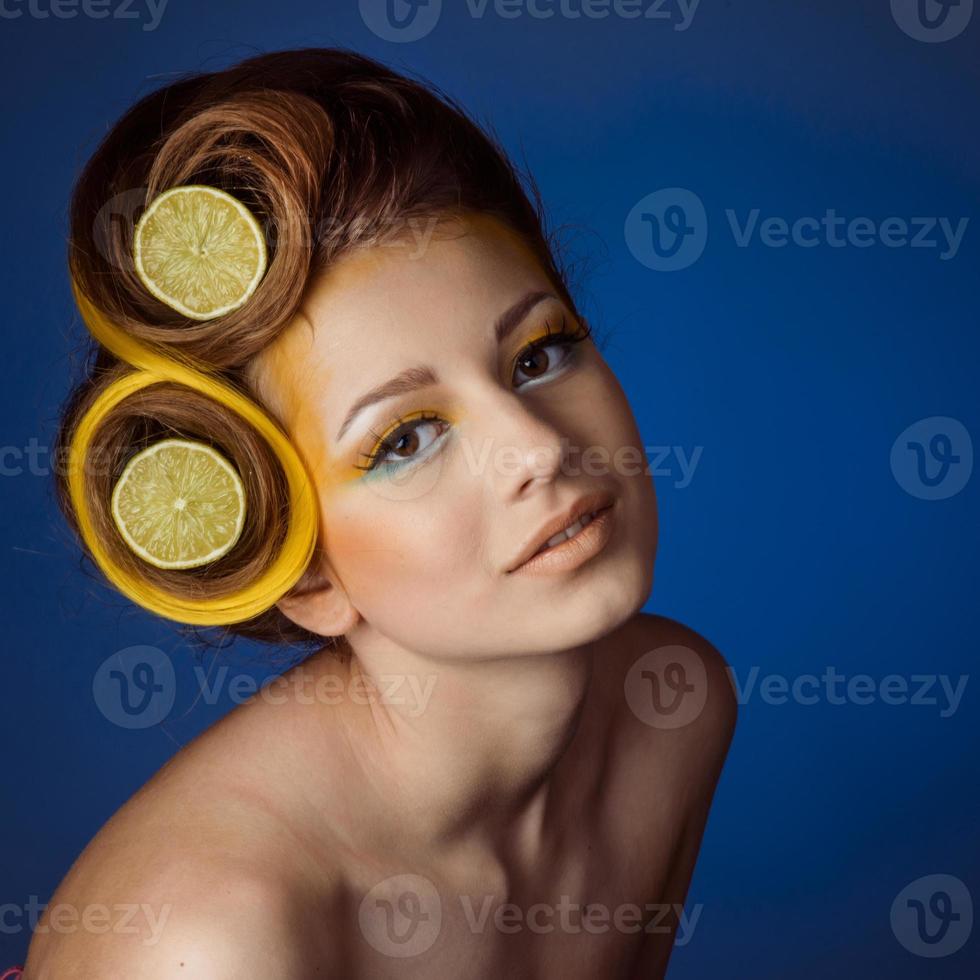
(423, 376)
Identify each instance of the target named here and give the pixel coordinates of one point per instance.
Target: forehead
(377, 306)
(449, 273)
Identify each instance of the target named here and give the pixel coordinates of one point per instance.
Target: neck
(467, 755)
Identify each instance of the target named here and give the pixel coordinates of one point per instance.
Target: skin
(508, 766)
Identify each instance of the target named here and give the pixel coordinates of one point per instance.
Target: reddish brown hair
(330, 150)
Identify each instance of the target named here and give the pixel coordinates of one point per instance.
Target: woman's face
(486, 443)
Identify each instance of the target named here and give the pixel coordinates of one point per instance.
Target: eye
(534, 360)
(404, 442)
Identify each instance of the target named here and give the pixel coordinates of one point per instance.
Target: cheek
(401, 557)
(611, 425)
(625, 460)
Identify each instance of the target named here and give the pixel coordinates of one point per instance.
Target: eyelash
(562, 336)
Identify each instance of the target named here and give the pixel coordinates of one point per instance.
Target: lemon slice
(179, 504)
(199, 250)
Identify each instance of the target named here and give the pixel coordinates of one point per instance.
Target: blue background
(793, 548)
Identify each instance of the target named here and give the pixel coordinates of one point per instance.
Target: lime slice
(179, 504)
(199, 250)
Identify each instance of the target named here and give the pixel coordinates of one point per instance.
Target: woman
(481, 769)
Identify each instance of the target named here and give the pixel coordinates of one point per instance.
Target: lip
(601, 500)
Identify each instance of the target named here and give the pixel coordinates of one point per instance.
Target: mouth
(567, 533)
(562, 536)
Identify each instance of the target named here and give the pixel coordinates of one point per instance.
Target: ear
(319, 603)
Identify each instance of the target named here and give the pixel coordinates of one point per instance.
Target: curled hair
(329, 150)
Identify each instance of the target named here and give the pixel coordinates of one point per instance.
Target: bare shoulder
(674, 692)
(198, 875)
(687, 665)
(678, 713)
(214, 923)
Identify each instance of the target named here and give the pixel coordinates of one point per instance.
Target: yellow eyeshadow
(357, 472)
(452, 418)
(398, 423)
(533, 340)
(348, 472)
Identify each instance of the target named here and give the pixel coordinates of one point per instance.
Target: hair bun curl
(268, 149)
(166, 393)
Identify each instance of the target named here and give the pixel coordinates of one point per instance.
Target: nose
(523, 449)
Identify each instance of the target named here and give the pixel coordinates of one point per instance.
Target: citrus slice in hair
(199, 250)
(179, 504)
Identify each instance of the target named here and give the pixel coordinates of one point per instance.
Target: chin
(614, 600)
